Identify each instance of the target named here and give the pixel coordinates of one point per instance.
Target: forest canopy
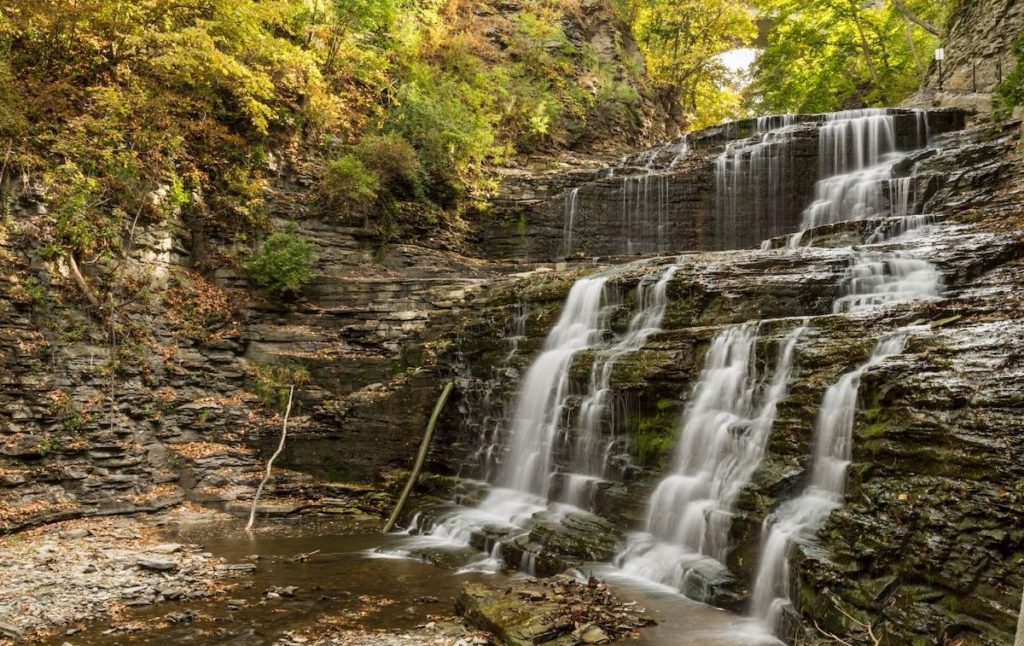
(122, 109)
(814, 55)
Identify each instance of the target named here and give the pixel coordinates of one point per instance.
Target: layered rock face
(726, 187)
(177, 393)
(924, 548)
(978, 56)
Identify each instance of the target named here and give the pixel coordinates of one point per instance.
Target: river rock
(159, 564)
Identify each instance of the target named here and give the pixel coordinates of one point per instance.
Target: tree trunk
(864, 46)
(1019, 640)
(420, 457)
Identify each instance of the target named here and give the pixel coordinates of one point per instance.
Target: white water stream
(724, 433)
(799, 520)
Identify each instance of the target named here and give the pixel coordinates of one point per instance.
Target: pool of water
(347, 583)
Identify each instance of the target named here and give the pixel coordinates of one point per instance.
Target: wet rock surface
(559, 610)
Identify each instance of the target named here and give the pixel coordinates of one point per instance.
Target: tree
(682, 41)
(826, 55)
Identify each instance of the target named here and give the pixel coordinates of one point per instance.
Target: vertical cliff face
(978, 55)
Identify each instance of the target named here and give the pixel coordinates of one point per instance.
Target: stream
(346, 583)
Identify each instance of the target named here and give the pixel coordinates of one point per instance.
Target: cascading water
(544, 389)
(489, 411)
(644, 182)
(523, 479)
(595, 429)
(754, 178)
(643, 223)
(523, 483)
(723, 439)
(857, 153)
(875, 279)
(799, 519)
(571, 204)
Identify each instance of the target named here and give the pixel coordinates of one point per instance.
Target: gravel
(65, 575)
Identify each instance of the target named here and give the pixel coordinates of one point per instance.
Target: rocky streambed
(194, 576)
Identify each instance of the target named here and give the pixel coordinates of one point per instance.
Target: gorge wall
(978, 48)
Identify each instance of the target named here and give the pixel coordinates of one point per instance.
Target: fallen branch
(270, 462)
(869, 632)
(301, 558)
(420, 457)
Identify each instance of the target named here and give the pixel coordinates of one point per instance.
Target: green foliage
(448, 121)
(348, 183)
(831, 54)
(394, 162)
(283, 265)
(681, 41)
(273, 382)
(137, 110)
(1010, 93)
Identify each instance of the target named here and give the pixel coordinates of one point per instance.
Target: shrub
(1010, 93)
(273, 382)
(395, 163)
(282, 265)
(348, 183)
(451, 125)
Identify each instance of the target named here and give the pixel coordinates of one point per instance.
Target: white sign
(940, 54)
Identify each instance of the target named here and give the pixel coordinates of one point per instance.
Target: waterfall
(875, 279)
(524, 477)
(857, 154)
(644, 182)
(523, 484)
(593, 447)
(800, 519)
(723, 439)
(492, 415)
(755, 177)
(544, 389)
(571, 202)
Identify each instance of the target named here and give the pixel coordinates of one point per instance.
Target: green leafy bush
(283, 265)
(1010, 93)
(348, 183)
(452, 126)
(394, 162)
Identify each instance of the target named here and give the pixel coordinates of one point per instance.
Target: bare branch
(82, 284)
(270, 462)
(917, 20)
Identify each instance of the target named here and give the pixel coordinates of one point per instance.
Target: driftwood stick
(420, 457)
(270, 462)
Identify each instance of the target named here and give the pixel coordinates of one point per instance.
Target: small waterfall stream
(724, 433)
(800, 519)
(755, 175)
(595, 429)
